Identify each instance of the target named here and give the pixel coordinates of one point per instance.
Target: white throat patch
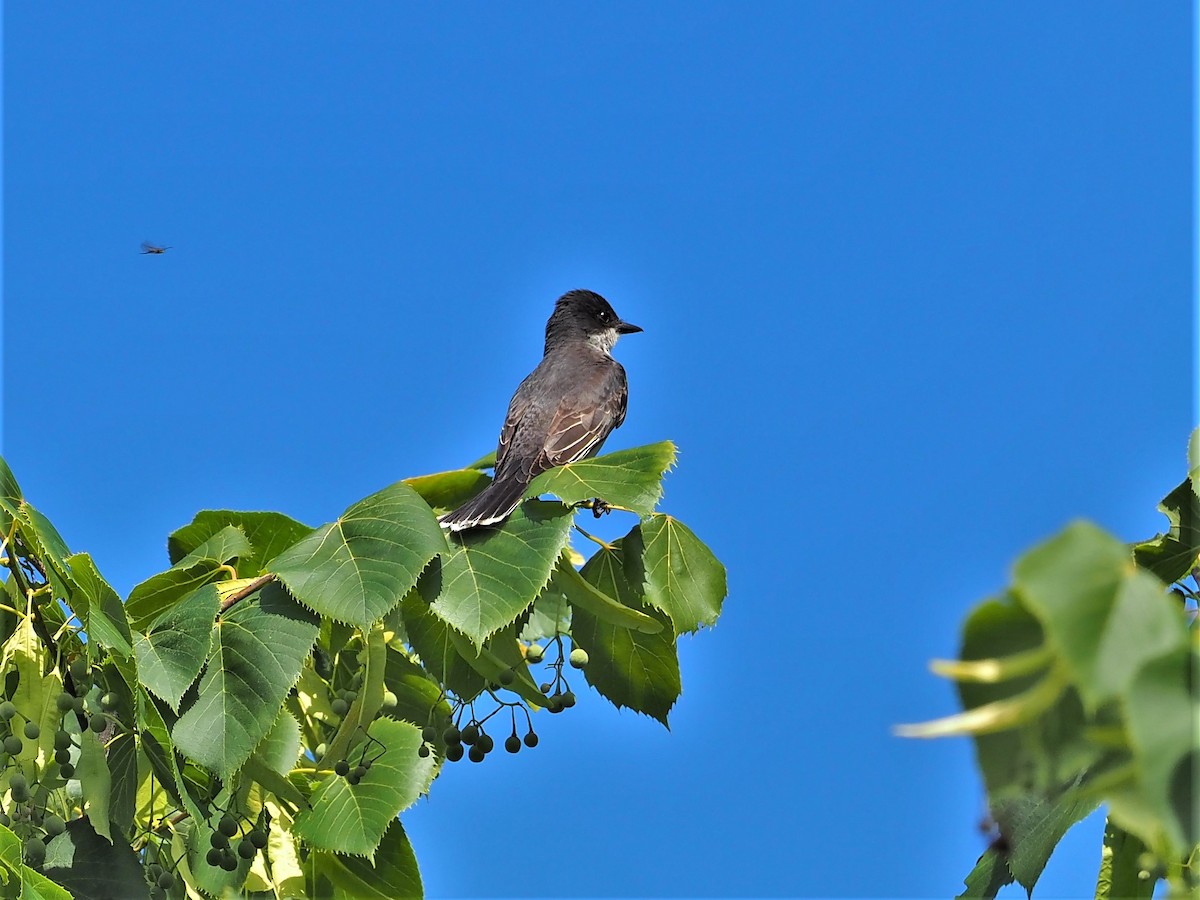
(604, 341)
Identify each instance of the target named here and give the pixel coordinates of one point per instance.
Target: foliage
(252, 720)
(1078, 687)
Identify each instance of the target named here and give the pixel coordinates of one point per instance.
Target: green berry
(534, 653)
(228, 825)
(390, 700)
(32, 731)
(353, 778)
(476, 754)
(359, 771)
(339, 707)
(62, 757)
(12, 745)
(79, 668)
(470, 734)
(544, 687)
(153, 871)
(578, 658)
(454, 752)
(322, 749)
(67, 771)
(485, 743)
(78, 705)
(62, 740)
(568, 699)
(429, 734)
(18, 782)
(531, 740)
(423, 751)
(258, 838)
(64, 701)
(213, 857)
(97, 724)
(350, 696)
(229, 862)
(35, 852)
(555, 704)
(246, 850)
(512, 743)
(108, 702)
(54, 824)
(452, 735)
(507, 677)
(218, 840)
(341, 767)
(7, 710)
(166, 880)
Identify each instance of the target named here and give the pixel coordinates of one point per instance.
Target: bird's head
(585, 315)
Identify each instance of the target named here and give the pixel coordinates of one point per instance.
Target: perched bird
(563, 410)
(148, 247)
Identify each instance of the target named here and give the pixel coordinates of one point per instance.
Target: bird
(150, 247)
(562, 412)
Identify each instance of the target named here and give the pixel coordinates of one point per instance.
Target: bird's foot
(600, 508)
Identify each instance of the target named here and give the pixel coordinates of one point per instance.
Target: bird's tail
(490, 506)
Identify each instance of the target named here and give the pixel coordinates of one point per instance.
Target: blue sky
(917, 286)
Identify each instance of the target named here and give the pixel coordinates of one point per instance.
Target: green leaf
(487, 461)
(1172, 555)
(348, 818)
(88, 866)
(159, 592)
(1162, 710)
(394, 876)
(36, 886)
(446, 490)
(584, 595)
(258, 650)
(631, 479)
(1033, 827)
(10, 845)
(358, 568)
(1119, 867)
(989, 875)
(550, 613)
(682, 577)
(430, 637)
(269, 534)
(95, 783)
(42, 541)
(419, 699)
(10, 496)
(630, 668)
(99, 607)
(280, 749)
(123, 764)
(171, 655)
(1106, 618)
(500, 653)
(491, 575)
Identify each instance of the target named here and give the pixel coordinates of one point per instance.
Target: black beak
(627, 328)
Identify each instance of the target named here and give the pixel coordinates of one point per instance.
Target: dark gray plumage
(562, 411)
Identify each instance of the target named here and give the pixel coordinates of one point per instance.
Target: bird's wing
(585, 418)
(518, 408)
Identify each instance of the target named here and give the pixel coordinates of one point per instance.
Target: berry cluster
(559, 695)
(222, 854)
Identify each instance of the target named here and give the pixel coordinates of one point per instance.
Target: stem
(243, 593)
(592, 537)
